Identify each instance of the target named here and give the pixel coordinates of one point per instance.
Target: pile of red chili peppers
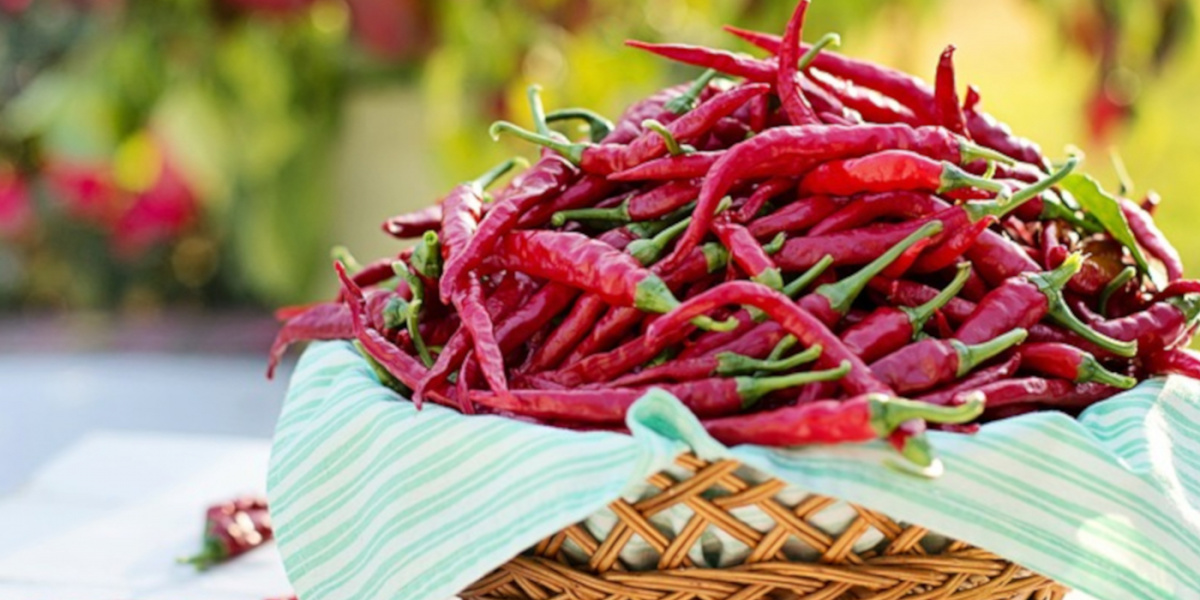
(802, 247)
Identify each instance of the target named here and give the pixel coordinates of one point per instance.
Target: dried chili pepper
(723, 363)
(1178, 361)
(684, 166)
(748, 254)
(977, 379)
(864, 209)
(325, 321)
(655, 203)
(890, 170)
(926, 364)
(1150, 237)
(797, 108)
(887, 328)
(796, 216)
(986, 130)
(231, 529)
(414, 224)
(463, 207)
(862, 418)
(945, 95)
(1021, 390)
(764, 193)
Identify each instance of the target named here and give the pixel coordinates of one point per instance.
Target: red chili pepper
(903, 292)
(478, 323)
(1021, 390)
(978, 379)
(870, 105)
(951, 249)
(1023, 301)
(741, 356)
(997, 258)
(765, 192)
(909, 91)
(863, 418)
(927, 364)
(1179, 361)
(414, 224)
(890, 170)
(945, 95)
(684, 166)
(1070, 363)
(589, 190)
(462, 209)
(796, 216)
(1179, 287)
(986, 130)
(1053, 250)
(712, 397)
(887, 328)
(748, 254)
(549, 176)
(325, 321)
(797, 321)
(792, 150)
(1150, 237)
(795, 105)
(231, 529)
(655, 203)
(1164, 325)
(867, 208)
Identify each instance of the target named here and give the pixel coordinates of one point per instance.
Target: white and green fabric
(374, 499)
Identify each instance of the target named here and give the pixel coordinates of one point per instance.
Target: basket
(908, 562)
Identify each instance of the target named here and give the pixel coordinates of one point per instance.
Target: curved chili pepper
(549, 176)
(1070, 363)
(687, 100)
(414, 224)
(478, 323)
(1179, 361)
(232, 529)
(864, 209)
(871, 106)
(888, 329)
(1150, 237)
(587, 191)
(463, 207)
(1021, 390)
(890, 170)
(724, 363)
(986, 130)
(929, 363)
(795, 105)
(863, 418)
(598, 126)
(684, 166)
(792, 150)
(652, 204)
(797, 321)
(996, 258)
(1164, 325)
(710, 397)
(903, 292)
(325, 321)
(975, 380)
(764, 193)
(945, 95)
(403, 367)
(796, 216)
(1179, 288)
(748, 254)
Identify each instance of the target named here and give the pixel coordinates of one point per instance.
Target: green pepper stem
(752, 388)
(414, 332)
(1188, 304)
(385, 377)
(843, 293)
(1091, 370)
(920, 315)
(342, 254)
(888, 413)
(715, 256)
(977, 211)
(653, 295)
(673, 146)
(489, 177)
(1061, 313)
(801, 283)
(785, 344)
(776, 243)
(648, 251)
(598, 126)
(729, 363)
(687, 100)
(570, 151)
(1117, 282)
(969, 152)
(771, 278)
(954, 177)
(536, 110)
(1057, 278)
(395, 313)
(828, 40)
(917, 449)
(427, 256)
(618, 213)
(973, 355)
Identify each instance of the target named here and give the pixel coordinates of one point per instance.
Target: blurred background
(173, 170)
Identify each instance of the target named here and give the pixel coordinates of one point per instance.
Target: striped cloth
(373, 499)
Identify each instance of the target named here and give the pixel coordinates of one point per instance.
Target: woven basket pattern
(900, 566)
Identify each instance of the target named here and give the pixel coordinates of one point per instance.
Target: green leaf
(1107, 211)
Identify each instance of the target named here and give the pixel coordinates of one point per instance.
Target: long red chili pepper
(745, 359)
(587, 191)
(863, 418)
(764, 193)
(476, 320)
(795, 105)
(1179, 361)
(414, 224)
(684, 166)
(231, 529)
(1150, 237)
(1164, 325)
(712, 397)
(945, 95)
(867, 208)
(929, 363)
(797, 216)
(655, 203)
(549, 176)
(793, 150)
(890, 170)
(462, 209)
(747, 253)
(870, 105)
(797, 321)
(1021, 390)
(957, 390)
(888, 328)
(986, 130)
(325, 321)
(1070, 363)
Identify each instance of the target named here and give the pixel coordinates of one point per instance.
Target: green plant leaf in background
(1105, 208)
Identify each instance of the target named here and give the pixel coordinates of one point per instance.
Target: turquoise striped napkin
(374, 499)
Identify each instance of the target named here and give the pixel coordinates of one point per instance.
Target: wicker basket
(900, 566)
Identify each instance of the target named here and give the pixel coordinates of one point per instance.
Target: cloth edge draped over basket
(372, 498)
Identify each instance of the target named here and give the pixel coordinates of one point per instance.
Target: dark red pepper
(1070, 363)
(945, 95)
(888, 328)
(232, 529)
(926, 364)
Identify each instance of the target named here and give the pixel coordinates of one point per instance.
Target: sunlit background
(166, 162)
